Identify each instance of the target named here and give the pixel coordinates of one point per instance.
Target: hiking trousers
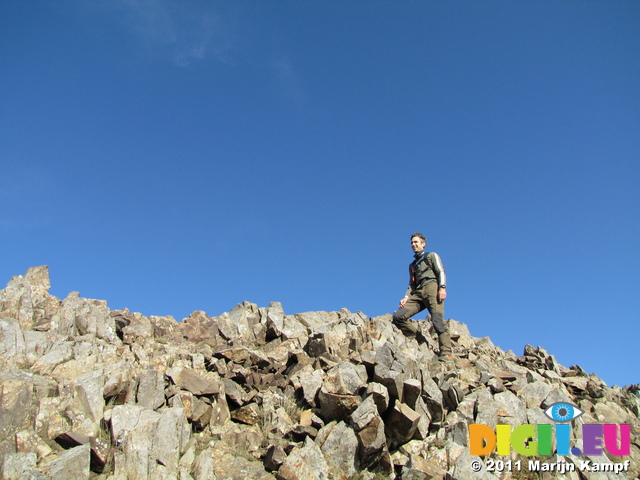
(425, 297)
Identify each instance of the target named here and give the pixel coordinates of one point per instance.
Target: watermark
(531, 440)
(559, 467)
(547, 439)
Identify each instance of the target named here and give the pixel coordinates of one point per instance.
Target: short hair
(419, 235)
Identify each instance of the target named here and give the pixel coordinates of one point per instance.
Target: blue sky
(176, 156)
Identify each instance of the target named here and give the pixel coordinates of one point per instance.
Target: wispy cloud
(285, 72)
(185, 31)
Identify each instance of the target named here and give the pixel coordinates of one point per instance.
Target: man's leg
(402, 317)
(436, 309)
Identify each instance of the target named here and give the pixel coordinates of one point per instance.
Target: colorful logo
(563, 412)
(530, 440)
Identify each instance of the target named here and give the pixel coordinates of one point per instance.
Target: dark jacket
(427, 267)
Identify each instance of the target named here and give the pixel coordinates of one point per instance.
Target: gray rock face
(339, 445)
(305, 462)
(402, 424)
(86, 392)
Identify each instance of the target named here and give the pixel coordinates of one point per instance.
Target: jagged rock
(463, 469)
(372, 443)
(339, 444)
(241, 324)
(369, 429)
(433, 398)
(596, 388)
(421, 468)
(425, 463)
(380, 396)
(460, 334)
(172, 433)
(576, 384)
(364, 414)
(294, 329)
(12, 341)
(453, 392)
(72, 464)
(81, 316)
(334, 406)
(534, 393)
(196, 409)
(424, 422)
(401, 424)
(400, 460)
(199, 328)
(234, 392)
(248, 414)
(299, 433)
(138, 333)
(26, 299)
(609, 412)
(393, 380)
(124, 396)
(60, 352)
(242, 355)
(496, 385)
(220, 413)
(86, 410)
(511, 409)
(17, 464)
(316, 345)
(411, 391)
(487, 407)
(555, 396)
(99, 449)
(274, 458)
(273, 319)
(535, 416)
(345, 379)
(165, 329)
(240, 437)
(27, 441)
(310, 381)
(306, 418)
(281, 421)
(148, 438)
(20, 393)
(220, 462)
(190, 380)
(151, 389)
(305, 463)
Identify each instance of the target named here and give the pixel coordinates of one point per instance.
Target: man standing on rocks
(427, 289)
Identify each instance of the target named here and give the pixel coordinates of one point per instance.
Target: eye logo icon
(563, 412)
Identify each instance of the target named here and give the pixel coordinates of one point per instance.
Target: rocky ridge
(89, 392)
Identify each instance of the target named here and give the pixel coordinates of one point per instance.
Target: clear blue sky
(172, 156)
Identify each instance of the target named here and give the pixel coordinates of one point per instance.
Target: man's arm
(438, 269)
(403, 301)
(408, 292)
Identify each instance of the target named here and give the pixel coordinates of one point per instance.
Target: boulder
(401, 424)
(339, 445)
(72, 464)
(305, 463)
(194, 382)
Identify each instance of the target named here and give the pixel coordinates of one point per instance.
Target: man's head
(418, 242)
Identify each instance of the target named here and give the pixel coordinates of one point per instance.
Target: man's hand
(403, 301)
(442, 294)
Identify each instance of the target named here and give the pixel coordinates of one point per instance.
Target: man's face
(417, 244)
